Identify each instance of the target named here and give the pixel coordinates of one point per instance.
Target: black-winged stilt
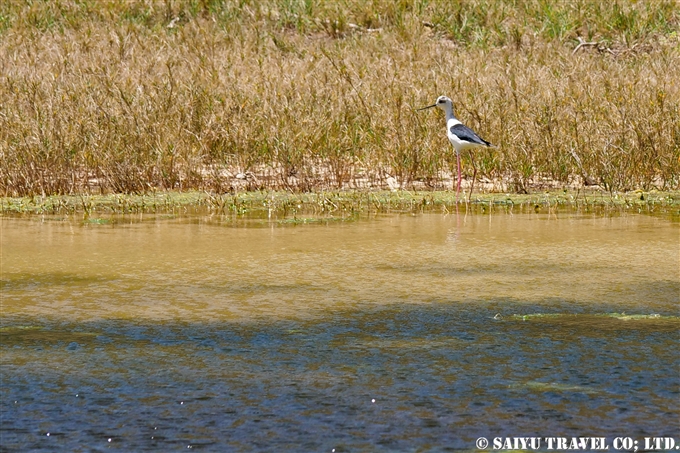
(460, 136)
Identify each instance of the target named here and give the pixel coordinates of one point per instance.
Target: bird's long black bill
(428, 107)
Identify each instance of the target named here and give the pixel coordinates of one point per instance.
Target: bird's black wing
(464, 133)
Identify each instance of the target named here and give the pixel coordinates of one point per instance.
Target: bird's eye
(441, 101)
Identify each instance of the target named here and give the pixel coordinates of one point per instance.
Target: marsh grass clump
(134, 97)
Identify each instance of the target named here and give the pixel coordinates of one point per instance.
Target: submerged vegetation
(333, 205)
(301, 95)
(599, 321)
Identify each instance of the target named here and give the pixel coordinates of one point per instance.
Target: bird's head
(442, 102)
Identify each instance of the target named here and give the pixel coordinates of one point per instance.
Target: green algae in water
(538, 386)
(362, 201)
(97, 221)
(7, 330)
(591, 324)
(38, 335)
(571, 316)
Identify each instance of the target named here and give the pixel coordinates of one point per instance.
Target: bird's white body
(460, 144)
(457, 143)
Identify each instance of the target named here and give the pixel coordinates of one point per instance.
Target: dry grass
(308, 95)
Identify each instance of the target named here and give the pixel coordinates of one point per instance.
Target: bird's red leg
(460, 176)
(474, 175)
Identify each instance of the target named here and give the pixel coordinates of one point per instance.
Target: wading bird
(460, 136)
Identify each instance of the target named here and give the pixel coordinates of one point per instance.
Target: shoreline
(340, 202)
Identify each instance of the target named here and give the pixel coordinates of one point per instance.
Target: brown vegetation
(304, 95)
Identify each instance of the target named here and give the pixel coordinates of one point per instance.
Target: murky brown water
(163, 333)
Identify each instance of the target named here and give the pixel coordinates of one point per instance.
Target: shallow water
(394, 333)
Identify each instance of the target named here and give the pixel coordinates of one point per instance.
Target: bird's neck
(449, 113)
(451, 120)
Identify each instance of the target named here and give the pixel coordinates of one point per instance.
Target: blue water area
(421, 377)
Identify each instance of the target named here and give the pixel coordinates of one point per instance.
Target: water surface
(396, 333)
